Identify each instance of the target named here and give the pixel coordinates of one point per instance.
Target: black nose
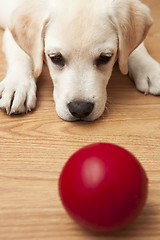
(80, 109)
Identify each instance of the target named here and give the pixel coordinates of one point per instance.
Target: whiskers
(107, 108)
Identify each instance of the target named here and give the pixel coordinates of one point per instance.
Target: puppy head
(81, 42)
(80, 59)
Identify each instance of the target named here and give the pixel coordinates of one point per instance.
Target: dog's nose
(80, 109)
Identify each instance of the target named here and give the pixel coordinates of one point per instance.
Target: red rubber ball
(103, 187)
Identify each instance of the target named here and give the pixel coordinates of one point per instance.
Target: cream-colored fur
(86, 38)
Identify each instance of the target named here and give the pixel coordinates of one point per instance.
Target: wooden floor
(34, 148)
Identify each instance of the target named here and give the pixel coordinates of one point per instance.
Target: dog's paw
(147, 77)
(17, 96)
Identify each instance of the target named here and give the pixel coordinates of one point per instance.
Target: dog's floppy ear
(27, 27)
(132, 20)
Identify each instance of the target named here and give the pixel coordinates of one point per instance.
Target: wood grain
(34, 148)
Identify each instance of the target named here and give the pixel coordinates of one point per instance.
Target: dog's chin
(74, 119)
(67, 116)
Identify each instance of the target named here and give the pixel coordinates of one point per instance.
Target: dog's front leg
(145, 71)
(18, 88)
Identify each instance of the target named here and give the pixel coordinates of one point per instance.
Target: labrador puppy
(80, 42)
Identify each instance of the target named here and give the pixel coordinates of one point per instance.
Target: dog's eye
(103, 59)
(58, 59)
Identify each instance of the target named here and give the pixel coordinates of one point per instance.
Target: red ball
(103, 187)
